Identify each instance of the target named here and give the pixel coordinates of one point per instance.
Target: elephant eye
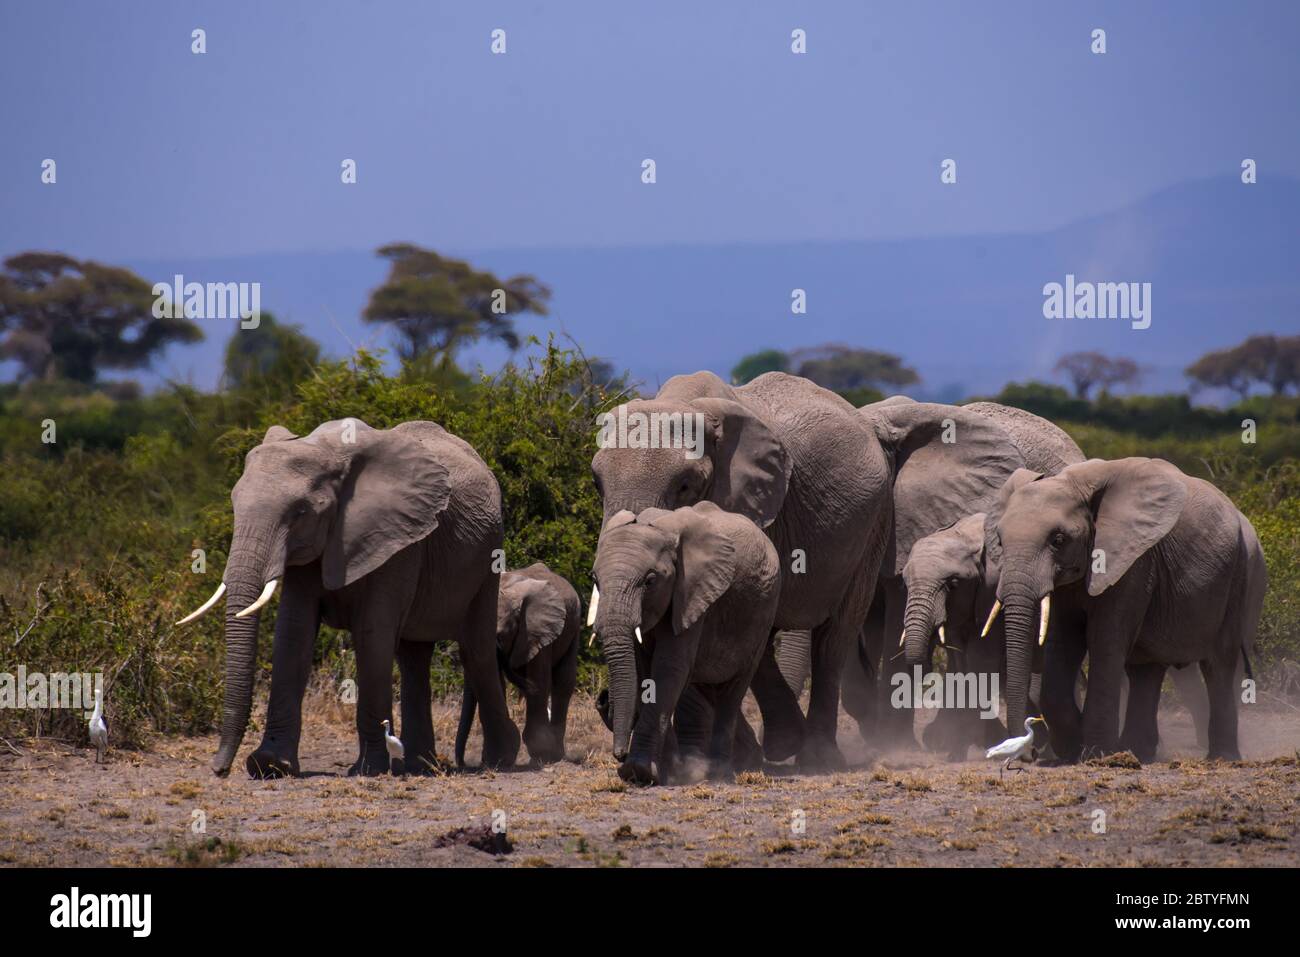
(1058, 539)
(952, 582)
(651, 578)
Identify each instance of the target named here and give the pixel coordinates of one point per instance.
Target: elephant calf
(686, 597)
(537, 649)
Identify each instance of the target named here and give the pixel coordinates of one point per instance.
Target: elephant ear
(277, 433)
(992, 548)
(706, 562)
(1135, 503)
(392, 493)
(541, 620)
(948, 463)
(970, 532)
(751, 468)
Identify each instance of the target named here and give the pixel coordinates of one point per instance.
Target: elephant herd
(806, 542)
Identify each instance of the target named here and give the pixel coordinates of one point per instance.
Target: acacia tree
(1088, 369)
(843, 368)
(438, 305)
(66, 318)
(752, 366)
(1272, 361)
(270, 360)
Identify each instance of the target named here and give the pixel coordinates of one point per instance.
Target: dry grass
(57, 807)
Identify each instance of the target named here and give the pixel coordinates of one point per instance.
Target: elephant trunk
(919, 621)
(248, 569)
(616, 622)
(1020, 608)
(794, 658)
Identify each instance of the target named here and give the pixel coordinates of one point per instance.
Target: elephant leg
(296, 625)
(376, 647)
(783, 722)
(858, 689)
(1220, 682)
(1191, 692)
(1106, 653)
(833, 641)
(537, 704)
(1062, 659)
(746, 752)
(693, 722)
(794, 658)
(726, 712)
(1141, 732)
(413, 658)
(564, 680)
(893, 724)
(478, 655)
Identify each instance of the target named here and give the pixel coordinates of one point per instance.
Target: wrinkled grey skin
(537, 649)
(388, 534)
(935, 483)
(702, 585)
(801, 463)
(1183, 581)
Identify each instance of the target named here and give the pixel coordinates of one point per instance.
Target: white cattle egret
(591, 609)
(997, 607)
(1045, 612)
(262, 599)
(394, 745)
(1014, 748)
(99, 729)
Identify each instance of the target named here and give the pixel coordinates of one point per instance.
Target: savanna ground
(901, 809)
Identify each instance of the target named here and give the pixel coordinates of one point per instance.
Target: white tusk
(941, 638)
(548, 712)
(591, 609)
(997, 607)
(638, 634)
(902, 638)
(1044, 613)
(262, 599)
(216, 596)
(592, 640)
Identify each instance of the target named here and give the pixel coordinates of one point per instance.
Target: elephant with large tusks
(537, 649)
(1137, 566)
(802, 464)
(387, 533)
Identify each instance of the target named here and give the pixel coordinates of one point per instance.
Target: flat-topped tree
(63, 318)
(439, 304)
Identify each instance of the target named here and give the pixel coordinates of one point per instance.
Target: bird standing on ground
(99, 728)
(394, 744)
(1014, 748)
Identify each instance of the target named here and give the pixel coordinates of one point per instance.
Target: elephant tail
(468, 704)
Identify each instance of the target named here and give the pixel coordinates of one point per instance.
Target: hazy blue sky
(163, 153)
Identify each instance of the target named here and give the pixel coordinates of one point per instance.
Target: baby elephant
(686, 596)
(537, 649)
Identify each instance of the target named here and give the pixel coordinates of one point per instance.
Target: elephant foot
(639, 771)
(820, 755)
(1224, 754)
(371, 764)
(421, 765)
(265, 763)
(746, 753)
(782, 741)
(501, 750)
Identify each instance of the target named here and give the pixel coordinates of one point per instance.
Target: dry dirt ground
(906, 808)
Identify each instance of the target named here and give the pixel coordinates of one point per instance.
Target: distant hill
(1222, 259)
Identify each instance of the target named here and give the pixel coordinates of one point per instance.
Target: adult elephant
(945, 462)
(386, 533)
(801, 463)
(1138, 567)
